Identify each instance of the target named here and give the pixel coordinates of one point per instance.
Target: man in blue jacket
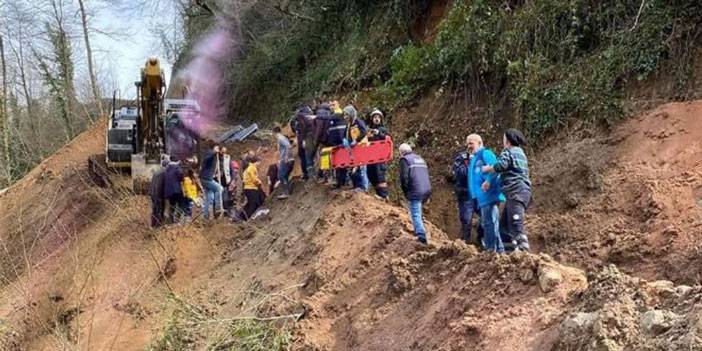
(416, 185)
(485, 188)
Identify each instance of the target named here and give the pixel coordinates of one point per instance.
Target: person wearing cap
(157, 196)
(376, 172)
(513, 168)
(485, 189)
(356, 131)
(416, 186)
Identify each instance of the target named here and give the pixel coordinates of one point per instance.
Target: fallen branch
(295, 316)
(638, 15)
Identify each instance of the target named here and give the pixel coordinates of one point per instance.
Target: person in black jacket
(157, 197)
(173, 190)
(467, 206)
(376, 172)
(416, 185)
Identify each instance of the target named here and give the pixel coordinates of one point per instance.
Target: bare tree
(89, 52)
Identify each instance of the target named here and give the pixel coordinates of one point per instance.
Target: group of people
(482, 180)
(331, 126)
(176, 188)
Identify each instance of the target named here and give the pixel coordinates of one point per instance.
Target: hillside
(342, 271)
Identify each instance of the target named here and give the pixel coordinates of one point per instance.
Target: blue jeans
(489, 220)
(415, 210)
(283, 176)
(213, 194)
(359, 178)
(466, 209)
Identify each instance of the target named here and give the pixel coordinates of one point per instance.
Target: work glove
(346, 143)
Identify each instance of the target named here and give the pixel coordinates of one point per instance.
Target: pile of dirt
(631, 198)
(341, 270)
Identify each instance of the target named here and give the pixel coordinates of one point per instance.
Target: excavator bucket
(142, 172)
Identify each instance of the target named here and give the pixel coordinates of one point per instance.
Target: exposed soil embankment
(343, 271)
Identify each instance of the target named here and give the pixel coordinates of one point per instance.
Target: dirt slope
(342, 270)
(632, 198)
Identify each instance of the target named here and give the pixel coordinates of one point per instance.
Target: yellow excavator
(139, 137)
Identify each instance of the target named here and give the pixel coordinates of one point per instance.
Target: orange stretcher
(362, 154)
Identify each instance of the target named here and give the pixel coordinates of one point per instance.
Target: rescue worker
(356, 131)
(376, 172)
(485, 189)
(304, 132)
(213, 190)
(467, 206)
(286, 161)
(157, 196)
(513, 168)
(324, 117)
(335, 136)
(416, 186)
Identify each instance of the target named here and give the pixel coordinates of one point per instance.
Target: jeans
(213, 192)
(466, 209)
(489, 217)
(415, 210)
(359, 178)
(284, 169)
(512, 220)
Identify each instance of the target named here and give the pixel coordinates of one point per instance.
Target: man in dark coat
(416, 185)
(157, 197)
(173, 189)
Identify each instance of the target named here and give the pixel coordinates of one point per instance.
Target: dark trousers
(342, 177)
(310, 154)
(175, 203)
(376, 176)
(303, 160)
(512, 220)
(156, 212)
(466, 209)
(254, 200)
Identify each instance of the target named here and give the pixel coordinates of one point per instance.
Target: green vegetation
(552, 61)
(190, 327)
(555, 59)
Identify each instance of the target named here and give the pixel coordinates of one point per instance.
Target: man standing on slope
(513, 167)
(376, 172)
(467, 206)
(157, 197)
(213, 190)
(485, 189)
(285, 161)
(416, 185)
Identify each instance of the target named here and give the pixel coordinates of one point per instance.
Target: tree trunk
(91, 68)
(4, 116)
(25, 88)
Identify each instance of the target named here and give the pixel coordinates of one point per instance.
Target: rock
(662, 288)
(579, 324)
(656, 322)
(683, 290)
(549, 278)
(526, 275)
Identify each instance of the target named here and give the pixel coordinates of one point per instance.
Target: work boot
(422, 240)
(522, 242)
